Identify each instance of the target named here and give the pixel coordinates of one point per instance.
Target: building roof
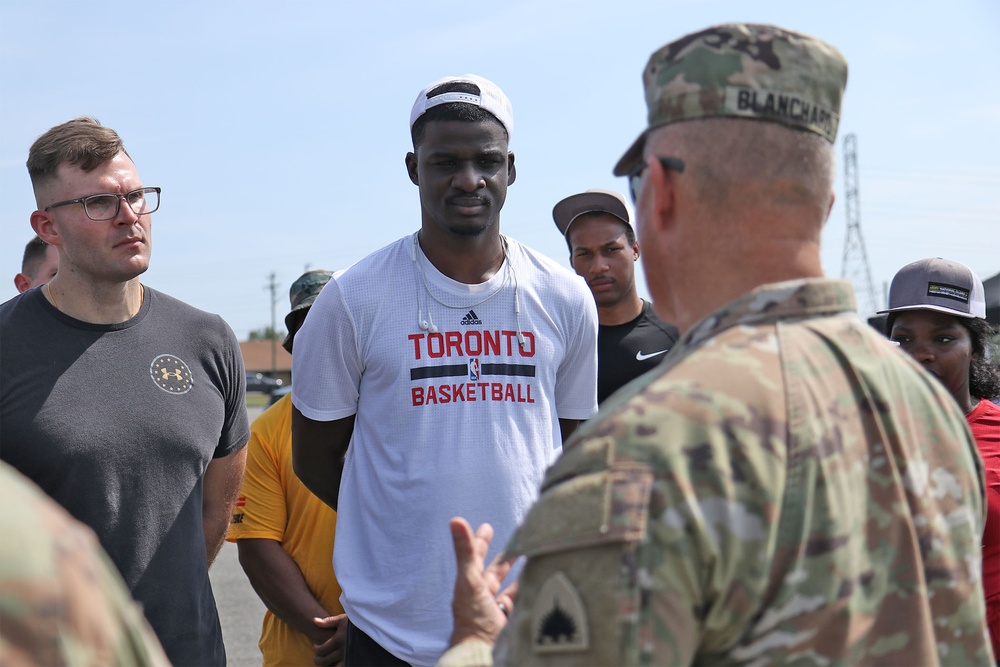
(257, 356)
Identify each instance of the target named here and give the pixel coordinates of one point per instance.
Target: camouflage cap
(302, 294)
(742, 70)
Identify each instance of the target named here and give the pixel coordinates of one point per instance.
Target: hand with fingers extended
(479, 607)
(330, 652)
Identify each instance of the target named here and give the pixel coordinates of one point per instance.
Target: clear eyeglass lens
(146, 200)
(106, 207)
(101, 207)
(139, 202)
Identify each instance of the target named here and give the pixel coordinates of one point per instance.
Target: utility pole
(854, 266)
(273, 286)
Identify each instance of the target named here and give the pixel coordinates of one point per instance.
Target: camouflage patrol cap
(742, 70)
(302, 294)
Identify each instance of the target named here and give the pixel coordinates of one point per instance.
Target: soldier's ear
(661, 190)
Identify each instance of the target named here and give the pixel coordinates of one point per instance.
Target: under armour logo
(171, 374)
(176, 374)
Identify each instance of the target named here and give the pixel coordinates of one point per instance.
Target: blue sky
(277, 130)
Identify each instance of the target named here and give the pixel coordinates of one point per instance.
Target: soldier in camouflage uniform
(786, 487)
(62, 602)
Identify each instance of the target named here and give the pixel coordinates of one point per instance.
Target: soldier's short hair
(34, 254)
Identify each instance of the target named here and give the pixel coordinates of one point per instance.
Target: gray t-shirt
(118, 424)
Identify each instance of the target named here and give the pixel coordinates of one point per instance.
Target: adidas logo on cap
(470, 319)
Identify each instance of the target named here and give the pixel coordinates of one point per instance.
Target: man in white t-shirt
(453, 362)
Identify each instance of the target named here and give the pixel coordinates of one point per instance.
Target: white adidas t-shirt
(458, 422)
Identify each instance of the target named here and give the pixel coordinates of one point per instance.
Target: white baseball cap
(490, 98)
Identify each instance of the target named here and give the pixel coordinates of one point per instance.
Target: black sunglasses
(636, 174)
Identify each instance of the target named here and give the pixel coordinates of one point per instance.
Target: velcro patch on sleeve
(596, 508)
(574, 599)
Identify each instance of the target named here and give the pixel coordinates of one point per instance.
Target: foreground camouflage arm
(62, 602)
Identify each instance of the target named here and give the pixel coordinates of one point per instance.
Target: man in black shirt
(603, 250)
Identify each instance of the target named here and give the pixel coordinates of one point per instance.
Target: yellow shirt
(275, 505)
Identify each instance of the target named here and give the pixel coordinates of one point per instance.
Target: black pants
(362, 651)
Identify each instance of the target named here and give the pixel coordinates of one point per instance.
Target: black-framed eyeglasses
(636, 174)
(106, 206)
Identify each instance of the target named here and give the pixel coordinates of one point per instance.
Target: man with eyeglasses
(603, 250)
(124, 404)
(786, 487)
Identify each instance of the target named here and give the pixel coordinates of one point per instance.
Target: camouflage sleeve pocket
(594, 508)
(576, 601)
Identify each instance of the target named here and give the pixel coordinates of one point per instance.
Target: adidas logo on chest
(470, 319)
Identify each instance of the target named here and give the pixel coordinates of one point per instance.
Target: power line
(273, 286)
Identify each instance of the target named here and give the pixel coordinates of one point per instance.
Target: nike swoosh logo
(639, 356)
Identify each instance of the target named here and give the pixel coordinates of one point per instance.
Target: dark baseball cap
(937, 284)
(591, 201)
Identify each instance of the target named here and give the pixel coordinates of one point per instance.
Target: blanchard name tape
(788, 107)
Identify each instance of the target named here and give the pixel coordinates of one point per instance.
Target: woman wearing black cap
(936, 313)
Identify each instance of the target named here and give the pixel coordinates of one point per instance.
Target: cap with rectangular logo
(937, 284)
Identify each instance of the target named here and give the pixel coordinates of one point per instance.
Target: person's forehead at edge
(752, 71)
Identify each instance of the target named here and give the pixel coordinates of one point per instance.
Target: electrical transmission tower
(854, 266)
